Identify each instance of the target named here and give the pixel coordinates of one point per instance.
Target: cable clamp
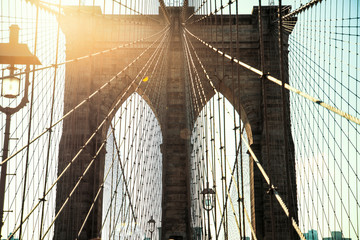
(42, 199)
(271, 190)
(264, 75)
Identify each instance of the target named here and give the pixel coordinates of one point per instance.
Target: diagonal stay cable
(90, 55)
(273, 189)
(118, 215)
(301, 9)
(117, 146)
(215, 11)
(227, 195)
(79, 152)
(46, 6)
(202, 67)
(165, 12)
(135, 11)
(81, 103)
(197, 10)
(102, 145)
(267, 179)
(278, 82)
(118, 149)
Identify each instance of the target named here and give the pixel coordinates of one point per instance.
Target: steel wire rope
(198, 82)
(99, 190)
(113, 193)
(102, 145)
(199, 85)
(221, 138)
(247, 216)
(92, 54)
(19, 164)
(206, 74)
(118, 181)
(276, 194)
(94, 157)
(339, 147)
(192, 91)
(328, 169)
(135, 11)
(213, 150)
(340, 224)
(202, 66)
(240, 117)
(278, 82)
(198, 160)
(229, 188)
(319, 50)
(124, 139)
(213, 87)
(236, 126)
(197, 10)
(13, 200)
(232, 179)
(49, 135)
(290, 196)
(265, 113)
(317, 188)
(67, 167)
(215, 11)
(118, 151)
(335, 121)
(132, 144)
(301, 9)
(274, 191)
(197, 132)
(45, 5)
(328, 84)
(188, 57)
(153, 121)
(81, 103)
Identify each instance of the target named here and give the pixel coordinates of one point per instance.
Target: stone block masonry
(86, 33)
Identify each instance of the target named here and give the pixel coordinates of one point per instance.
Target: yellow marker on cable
(145, 79)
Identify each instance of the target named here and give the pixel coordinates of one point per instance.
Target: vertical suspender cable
(50, 124)
(30, 125)
(285, 119)
(265, 112)
(241, 197)
(236, 164)
(237, 102)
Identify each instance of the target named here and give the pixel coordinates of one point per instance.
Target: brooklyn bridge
(179, 119)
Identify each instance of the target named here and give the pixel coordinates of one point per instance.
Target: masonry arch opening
(132, 173)
(219, 157)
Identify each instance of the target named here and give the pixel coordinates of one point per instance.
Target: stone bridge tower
(86, 33)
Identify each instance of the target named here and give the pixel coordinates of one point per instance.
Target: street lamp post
(151, 224)
(12, 53)
(208, 201)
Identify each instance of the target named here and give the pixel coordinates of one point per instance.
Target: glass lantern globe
(151, 224)
(10, 87)
(208, 199)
